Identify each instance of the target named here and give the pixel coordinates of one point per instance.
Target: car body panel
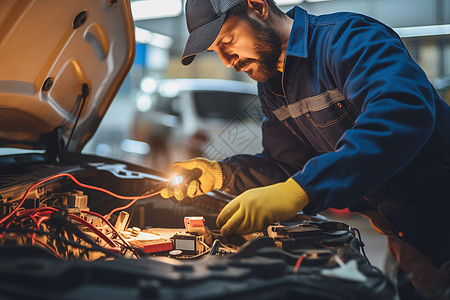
(61, 47)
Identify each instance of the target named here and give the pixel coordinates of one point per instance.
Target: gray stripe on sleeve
(309, 104)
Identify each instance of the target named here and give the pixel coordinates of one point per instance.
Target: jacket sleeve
(375, 72)
(283, 155)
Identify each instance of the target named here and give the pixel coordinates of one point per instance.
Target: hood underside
(60, 60)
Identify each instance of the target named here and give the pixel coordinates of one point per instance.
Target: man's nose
(228, 58)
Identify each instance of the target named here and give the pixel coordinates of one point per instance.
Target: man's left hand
(255, 209)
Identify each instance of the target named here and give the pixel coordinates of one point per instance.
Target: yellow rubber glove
(210, 179)
(255, 209)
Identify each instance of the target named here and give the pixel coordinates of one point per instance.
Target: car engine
(95, 230)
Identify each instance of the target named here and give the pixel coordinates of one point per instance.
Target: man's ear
(260, 8)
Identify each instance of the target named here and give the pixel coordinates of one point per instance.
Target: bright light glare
(288, 2)
(145, 36)
(155, 9)
(313, 1)
(103, 150)
(148, 85)
(169, 90)
(144, 103)
(135, 147)
(176, 180)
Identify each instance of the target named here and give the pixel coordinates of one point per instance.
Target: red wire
(107, 223)
(128, 205)
(41, 212)
(299, 262)
(42, 219)
(38, 224)
(121, 208)
(95, 230)
(34, 211)
(50, 248)
(25, 196)
(78, 183)
(82, 221)
(33, 218)
(105, 190)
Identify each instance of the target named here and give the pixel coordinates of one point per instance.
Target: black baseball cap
(204, 20)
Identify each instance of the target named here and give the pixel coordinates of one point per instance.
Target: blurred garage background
(165, 111)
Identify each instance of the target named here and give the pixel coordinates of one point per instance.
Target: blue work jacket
(355, 121)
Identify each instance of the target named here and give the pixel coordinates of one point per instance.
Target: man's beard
(268, 47)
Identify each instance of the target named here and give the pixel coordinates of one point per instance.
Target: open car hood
(57, 59)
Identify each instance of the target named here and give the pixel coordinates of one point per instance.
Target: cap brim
(201, 38)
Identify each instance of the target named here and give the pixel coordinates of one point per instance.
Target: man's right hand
(209, 179)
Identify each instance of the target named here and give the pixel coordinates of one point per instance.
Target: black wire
(138, 252)
(84, 95)
(95, 247)
(212, 251)
(73, 231)
(361, 246)
(89, 240)
(193, 257)
(214, 247)
(378, 270)
(77, 232)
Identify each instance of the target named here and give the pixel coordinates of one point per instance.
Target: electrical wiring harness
(67, 235)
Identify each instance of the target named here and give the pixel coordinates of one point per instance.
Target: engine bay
(61, 214)
(62, 222)
(106, 219)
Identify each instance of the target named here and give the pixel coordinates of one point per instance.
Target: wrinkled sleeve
(375, 72)
(282, 156)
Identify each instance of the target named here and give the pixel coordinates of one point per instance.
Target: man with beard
(350, 121)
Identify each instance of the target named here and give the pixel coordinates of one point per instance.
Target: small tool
(181, 180)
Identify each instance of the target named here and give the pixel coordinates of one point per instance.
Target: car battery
(290, 238)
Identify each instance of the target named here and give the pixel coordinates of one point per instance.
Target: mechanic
(350, 121)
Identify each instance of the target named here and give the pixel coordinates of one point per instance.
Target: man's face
(246, 45)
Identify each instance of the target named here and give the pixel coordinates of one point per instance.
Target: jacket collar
(297, 44)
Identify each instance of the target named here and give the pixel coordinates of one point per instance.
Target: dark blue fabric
(384, 145)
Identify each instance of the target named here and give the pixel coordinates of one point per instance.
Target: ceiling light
(144, 103)
(155, 9)
(288, 2)
(406, 32)
(148, 85)
(133, 146)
